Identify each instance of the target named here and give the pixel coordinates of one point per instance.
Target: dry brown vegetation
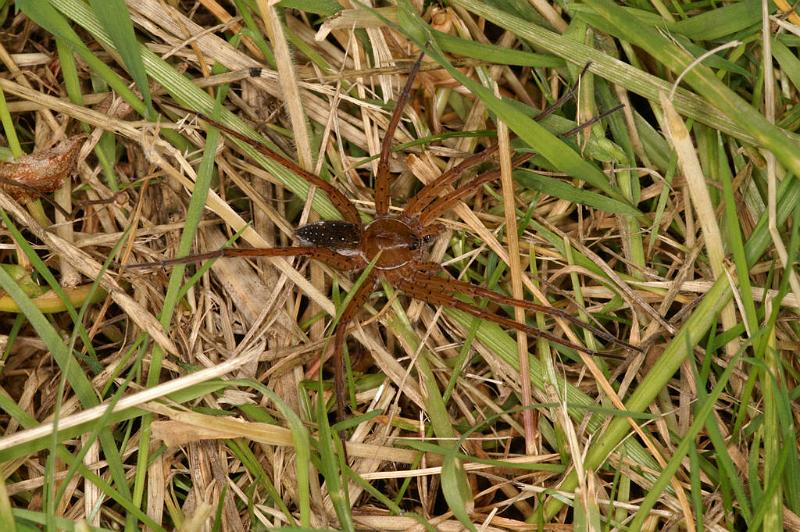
(197, 397)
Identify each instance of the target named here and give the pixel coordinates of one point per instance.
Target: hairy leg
(436, 294)
(348, 314)
(339, 200)
(426, 278)
(344, 263)
(382, 176)
(445, 203)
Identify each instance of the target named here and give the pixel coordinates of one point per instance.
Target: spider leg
(427, 193)
(426, 276)
(444, 203)
(382, 175)
(430, 191)
(349, 312)
(592, 120)
(344, 263)
(550, 109)
(438, 293)
(339, 200)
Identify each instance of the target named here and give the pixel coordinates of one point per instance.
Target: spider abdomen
(332, 234)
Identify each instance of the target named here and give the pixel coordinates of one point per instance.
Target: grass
(196, 397)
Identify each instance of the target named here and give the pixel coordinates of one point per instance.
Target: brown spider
(395, 243)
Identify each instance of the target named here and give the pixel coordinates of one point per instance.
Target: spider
(393, 246)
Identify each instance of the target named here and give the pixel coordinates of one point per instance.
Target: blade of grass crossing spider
(360, 280)
(344, 315)
(557, 152)
(117, 21)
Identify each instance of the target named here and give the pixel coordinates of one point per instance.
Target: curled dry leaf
(42, 172)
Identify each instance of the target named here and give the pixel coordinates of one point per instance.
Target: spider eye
(413, 245)
(427, 238)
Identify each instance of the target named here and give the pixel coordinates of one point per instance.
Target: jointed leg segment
(382, 176)
(345, 263)
(358, 300)
(437, 294)
(426, 279)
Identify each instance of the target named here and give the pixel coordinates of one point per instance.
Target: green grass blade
(557, 152)
(704, 81)
(46, 16)
(687, 337)
(186, 92)
(613, 70)
(560, 189)
(703, 413)
(116, 20)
